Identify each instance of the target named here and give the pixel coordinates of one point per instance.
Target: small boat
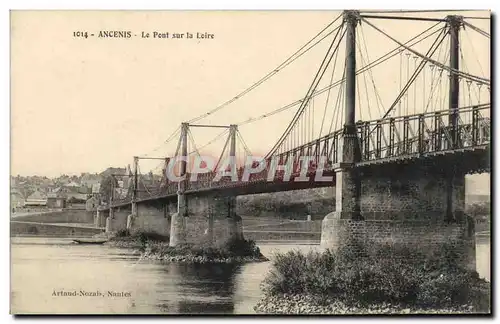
(89, 241)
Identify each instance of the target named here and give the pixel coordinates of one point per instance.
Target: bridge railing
(377, 139)
(424, 133)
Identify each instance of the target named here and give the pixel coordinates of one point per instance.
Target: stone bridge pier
(205, 219)
(415, 205)
(149, 217)
(114, 219)
(188, 220)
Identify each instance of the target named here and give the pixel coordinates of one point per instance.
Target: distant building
(77, 197)
(96, 189)
(56, 200)
(91, 203)
(16, 199)
(89, 180)
(73, 192)
(37, 198)
(72, 184)
(113, 171)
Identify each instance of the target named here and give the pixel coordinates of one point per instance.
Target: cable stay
(289, 60)
(471, 46)
(195, 149)
(379, 102)
(296, 120)
(390, 54)
(337, 110)
(178, 147)
(328, 94)
(434, 86)
(245, 146)
(477, 94)
(216, 168)
(312, 88)
(437, 74)
(433, 80)
(416, 72)
(246, 150)
(477, 29)
(213, 140)
(449, 69)
(172, 136)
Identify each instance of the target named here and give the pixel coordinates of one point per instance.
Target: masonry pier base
(415, 207)
(207, 220)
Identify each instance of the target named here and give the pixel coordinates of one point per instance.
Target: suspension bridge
(400, 162)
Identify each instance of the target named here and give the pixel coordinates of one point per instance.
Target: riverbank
(306, 304)
(381, 280)
(156, 247)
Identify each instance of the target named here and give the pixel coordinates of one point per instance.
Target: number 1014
(80, 34)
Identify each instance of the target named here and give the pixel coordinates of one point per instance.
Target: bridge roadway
(419, 139)
(470, 160)
(403, 188)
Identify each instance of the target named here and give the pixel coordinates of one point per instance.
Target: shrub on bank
(230, 249)
(140, 235)
(434, 279)
(156, 246)
(137, 239)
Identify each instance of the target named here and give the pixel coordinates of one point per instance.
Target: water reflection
(199, 285)
(156, 288)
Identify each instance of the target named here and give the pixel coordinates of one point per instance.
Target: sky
(84, 104)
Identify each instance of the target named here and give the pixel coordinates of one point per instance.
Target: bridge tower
(178, 221)
(202, 209)
(417, 202)
(454, 24)
(455, 184)
(234, 228)
(133, 215)
(134, 192)
(348, 182)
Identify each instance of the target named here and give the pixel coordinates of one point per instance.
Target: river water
(120, 282)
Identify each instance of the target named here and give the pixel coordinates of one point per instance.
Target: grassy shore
(385, 279)
(156, 247)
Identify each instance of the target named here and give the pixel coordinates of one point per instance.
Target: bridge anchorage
(399, 176)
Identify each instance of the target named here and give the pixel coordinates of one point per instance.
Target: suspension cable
(289, 60)
(477, 29)
(379, 100)
(340, 96)
(419, 69)
(214, 139)
(433, 80)
(172, 136)
(473, 52)
(365, 83)
(328, 94)
(222, 153)
(245, 147)
(390, 54)
(443, 66)
(195, 149)
(312, 88)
